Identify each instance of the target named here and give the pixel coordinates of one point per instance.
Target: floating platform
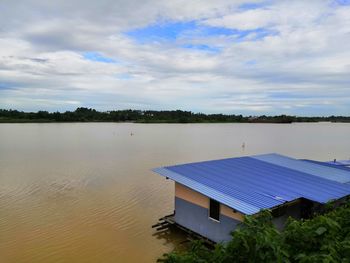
(167, 222)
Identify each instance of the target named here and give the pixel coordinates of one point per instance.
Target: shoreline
(163, 122)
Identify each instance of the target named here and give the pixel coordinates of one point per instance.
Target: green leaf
(319, 231)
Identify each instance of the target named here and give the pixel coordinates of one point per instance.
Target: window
(214, 210)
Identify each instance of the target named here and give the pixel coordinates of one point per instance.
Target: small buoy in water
(131, 134)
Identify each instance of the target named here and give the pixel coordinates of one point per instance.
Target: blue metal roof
(307, 167)
(340, 162)
(331, 164)
(249, 184)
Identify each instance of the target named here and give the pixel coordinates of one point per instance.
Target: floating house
(212, 197)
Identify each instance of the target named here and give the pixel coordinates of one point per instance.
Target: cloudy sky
(249, 57)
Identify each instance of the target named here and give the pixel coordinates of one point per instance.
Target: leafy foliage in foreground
(150, 116)
(325, 238)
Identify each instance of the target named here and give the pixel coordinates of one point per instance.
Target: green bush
(325, 238)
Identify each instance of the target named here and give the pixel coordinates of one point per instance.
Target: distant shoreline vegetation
(151, 116)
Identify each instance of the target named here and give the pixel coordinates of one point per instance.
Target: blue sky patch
(342, 2)
(291, 95)
(124, 76)
(161, 31)
(202, 47)
(171, 31)
(252, 62)
(258, 34)
(215, 31)
(97, 57)
(8, 85)
(250, 6)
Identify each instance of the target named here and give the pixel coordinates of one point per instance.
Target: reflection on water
(85, 192)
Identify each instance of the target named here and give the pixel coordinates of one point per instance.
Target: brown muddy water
(84, 192)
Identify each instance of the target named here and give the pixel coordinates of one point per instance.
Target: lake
(85, 192)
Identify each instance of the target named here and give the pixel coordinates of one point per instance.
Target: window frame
(209, 209)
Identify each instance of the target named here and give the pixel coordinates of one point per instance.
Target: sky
(234, 57)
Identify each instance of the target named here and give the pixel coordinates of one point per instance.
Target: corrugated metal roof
(249, 184)
(331, 164)
(208, 191)
(310, 168)
(340, 162)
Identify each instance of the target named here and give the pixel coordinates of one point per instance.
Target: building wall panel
(189, 195)
(229, 212)
(195, 218)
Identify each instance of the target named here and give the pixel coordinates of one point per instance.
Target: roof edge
(240, 206)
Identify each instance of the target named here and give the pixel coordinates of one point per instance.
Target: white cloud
(42, 64)
(245, 20)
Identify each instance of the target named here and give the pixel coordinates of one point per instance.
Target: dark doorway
(214, 210)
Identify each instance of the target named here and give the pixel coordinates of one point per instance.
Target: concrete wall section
(191, 196)
(229, 212)
(195, 218)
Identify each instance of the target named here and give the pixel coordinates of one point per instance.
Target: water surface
(84, 192)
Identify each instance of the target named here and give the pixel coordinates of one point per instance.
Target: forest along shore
(151, 116)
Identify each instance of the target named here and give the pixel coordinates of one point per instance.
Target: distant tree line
(151, 116)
